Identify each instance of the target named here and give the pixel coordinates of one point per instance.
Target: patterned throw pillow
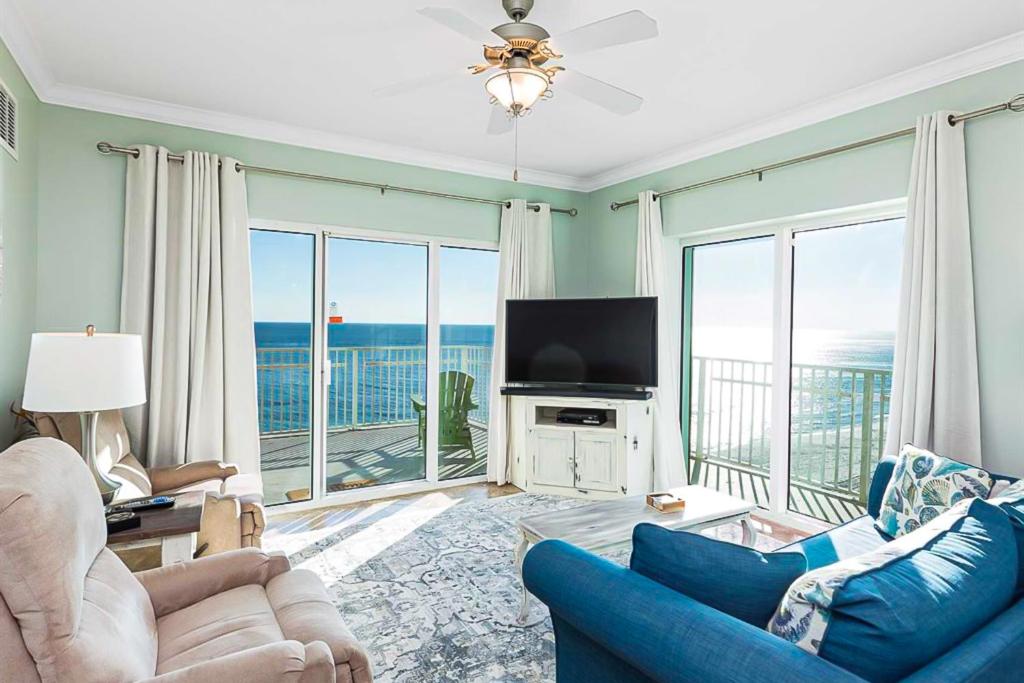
(923, 486)
(886, 613)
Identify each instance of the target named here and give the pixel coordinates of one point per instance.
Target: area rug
(431, 589)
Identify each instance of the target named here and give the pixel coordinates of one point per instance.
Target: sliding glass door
(730, 366)
(283, 310)
(468, 296)
(373, 361)
(787, 361)
(377, 396)
(845, 294)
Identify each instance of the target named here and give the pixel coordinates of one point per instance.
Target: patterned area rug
(432, 592)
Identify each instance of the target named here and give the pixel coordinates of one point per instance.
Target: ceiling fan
(521, 69)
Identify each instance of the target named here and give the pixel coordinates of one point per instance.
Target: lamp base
(108, 487)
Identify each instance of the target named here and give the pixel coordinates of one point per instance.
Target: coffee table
(174, 528)
(603, 526)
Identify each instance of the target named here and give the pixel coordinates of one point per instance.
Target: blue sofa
(613, 625)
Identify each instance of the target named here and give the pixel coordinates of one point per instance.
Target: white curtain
(651, 280)
(186, 289)
(935, 397)
(526, 270)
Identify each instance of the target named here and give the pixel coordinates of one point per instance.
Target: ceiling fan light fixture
(518, 88)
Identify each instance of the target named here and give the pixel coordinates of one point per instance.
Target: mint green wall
(73, 230)
(81, 217)
(995, 158)
(18, 187)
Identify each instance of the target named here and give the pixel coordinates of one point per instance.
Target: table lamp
(85, 373)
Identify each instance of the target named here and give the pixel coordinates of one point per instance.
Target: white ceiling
(303, 71)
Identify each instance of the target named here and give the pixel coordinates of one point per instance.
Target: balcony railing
(369, 385)
(837, 423)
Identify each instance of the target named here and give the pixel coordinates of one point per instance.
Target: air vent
(8, 120)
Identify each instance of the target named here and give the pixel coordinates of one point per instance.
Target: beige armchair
(71, 611)
(233, 515)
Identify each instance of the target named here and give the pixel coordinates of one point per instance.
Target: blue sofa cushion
(923, 486)
(1011, 501)
(879, 482)
(885, 614)
(855, 537)
(739, 581)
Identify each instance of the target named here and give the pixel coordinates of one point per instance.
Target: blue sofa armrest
(667, 636)
(995, 654)
(883, 473)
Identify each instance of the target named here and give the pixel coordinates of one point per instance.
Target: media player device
(582, 416)
(122, 521)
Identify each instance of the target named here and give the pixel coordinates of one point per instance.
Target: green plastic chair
(455, 391)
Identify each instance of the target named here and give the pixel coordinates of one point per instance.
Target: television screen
(600, 342)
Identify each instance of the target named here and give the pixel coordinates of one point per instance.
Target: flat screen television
(586, 342)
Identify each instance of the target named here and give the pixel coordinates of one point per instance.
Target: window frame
(783, 230)
(322, 232)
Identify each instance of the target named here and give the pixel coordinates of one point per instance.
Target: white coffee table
(603, 526)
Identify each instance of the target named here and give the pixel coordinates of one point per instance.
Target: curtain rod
(1015, 104)
(107, 148)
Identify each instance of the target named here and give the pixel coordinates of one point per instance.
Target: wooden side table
(174, 528)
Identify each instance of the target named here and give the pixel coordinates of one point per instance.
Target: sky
(371, 282)
(844, 279)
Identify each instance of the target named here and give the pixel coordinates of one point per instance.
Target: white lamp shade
(517, 88)
(75, 373)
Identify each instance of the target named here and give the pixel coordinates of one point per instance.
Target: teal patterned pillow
(923, 486)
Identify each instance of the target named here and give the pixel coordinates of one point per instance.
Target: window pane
(845, 295)
(282, 288)
(377, 344)
(729, 373)
(469, 287)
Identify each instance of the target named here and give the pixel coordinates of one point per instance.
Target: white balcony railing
(837, 422)
(838, 414)
(370, 385)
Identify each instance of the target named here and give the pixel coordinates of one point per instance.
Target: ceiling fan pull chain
(515, 153)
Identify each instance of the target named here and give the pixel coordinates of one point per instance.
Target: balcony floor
(805, 499)
(361, 457)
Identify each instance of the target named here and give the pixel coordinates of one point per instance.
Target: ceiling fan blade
(628, 27)
(455, 20)
(499, 123)
(602, 94)
(414, 84)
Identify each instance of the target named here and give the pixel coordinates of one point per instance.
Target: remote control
(140, 504)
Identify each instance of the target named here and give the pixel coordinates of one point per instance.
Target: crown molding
(271, 131)
(18, 39)
(971, 61)
(15, 34)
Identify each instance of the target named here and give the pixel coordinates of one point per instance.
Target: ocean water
(834, 348)
(376, 371)
(378, 368)
(294, 335)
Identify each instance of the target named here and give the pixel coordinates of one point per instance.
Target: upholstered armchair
(70, 610)
(233, 515)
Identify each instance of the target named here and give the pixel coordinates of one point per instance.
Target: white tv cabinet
(597, 462)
